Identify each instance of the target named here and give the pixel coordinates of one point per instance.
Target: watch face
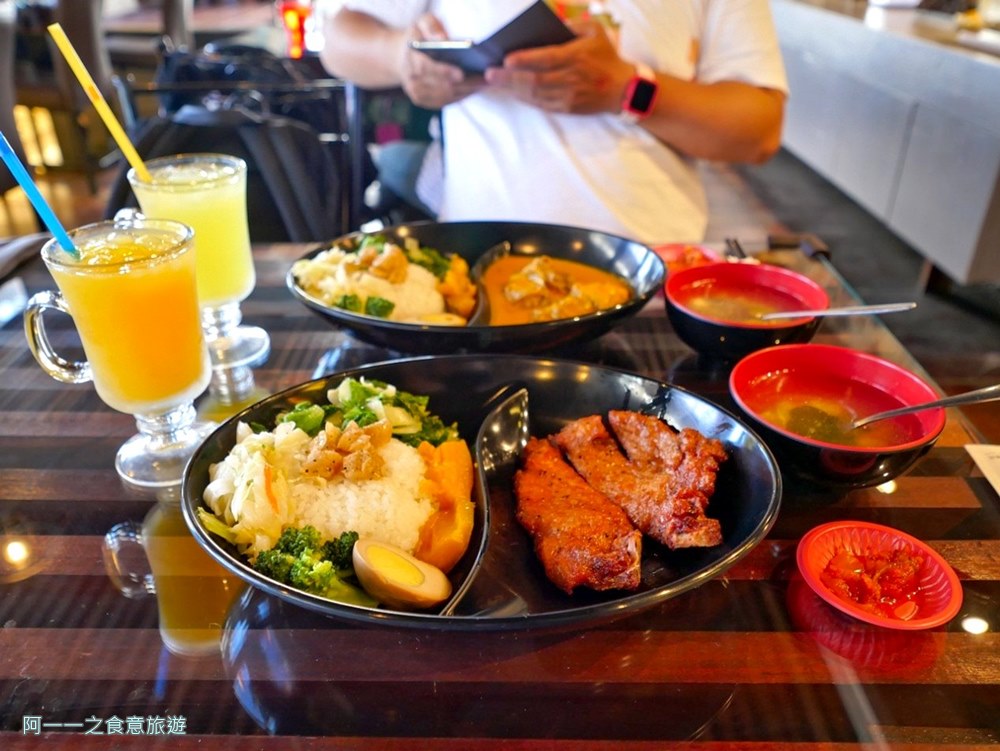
(642, 95)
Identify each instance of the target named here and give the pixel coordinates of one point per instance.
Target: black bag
(296, 97)
(294, 190)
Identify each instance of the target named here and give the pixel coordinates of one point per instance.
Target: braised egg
(396, 578)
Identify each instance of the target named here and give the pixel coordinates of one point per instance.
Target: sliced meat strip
(665, 482)
(581, 538)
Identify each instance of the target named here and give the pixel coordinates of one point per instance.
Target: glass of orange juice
(130, 290)
(208, 192)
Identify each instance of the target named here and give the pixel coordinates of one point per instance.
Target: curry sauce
(530, 289)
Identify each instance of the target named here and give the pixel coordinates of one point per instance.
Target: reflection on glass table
(193, 592)
(738, 662)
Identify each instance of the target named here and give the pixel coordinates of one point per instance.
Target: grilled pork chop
(581, 537)
(664, 483)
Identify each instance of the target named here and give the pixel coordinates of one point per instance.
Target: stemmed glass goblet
(130, 290)
(208, 192)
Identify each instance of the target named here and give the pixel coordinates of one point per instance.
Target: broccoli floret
(310, 573)
(339, 551)
(294, 541)
(301, 559)
(274, 564)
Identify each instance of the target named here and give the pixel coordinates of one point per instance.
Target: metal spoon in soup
(852, 310)
(987, 394)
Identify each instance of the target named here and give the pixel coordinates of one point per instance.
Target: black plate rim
(554, 619)
(635, 303)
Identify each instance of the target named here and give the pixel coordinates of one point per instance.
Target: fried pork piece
(691, 459)
(665, 482)
(581, 538)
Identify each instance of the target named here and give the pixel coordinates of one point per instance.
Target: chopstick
(734, 248)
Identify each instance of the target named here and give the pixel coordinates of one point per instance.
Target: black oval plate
(503, 584)
(630, 260)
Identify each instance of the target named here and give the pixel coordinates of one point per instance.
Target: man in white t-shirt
(596, 132)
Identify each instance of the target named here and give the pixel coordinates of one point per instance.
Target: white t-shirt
(505, 160)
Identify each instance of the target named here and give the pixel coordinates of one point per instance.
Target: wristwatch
(640, 94)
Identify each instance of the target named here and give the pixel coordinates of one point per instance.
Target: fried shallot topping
(352, 451)
(389, 263)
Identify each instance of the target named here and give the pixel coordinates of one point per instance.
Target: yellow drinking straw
(98, 100)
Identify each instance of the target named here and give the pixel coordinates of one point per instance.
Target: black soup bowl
(801, 398)
(636, 263)
(713, 307)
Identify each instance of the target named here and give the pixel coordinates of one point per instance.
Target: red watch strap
(640, 94)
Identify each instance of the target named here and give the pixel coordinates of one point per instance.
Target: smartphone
(537, 26)
(461, 52)
(440, 44)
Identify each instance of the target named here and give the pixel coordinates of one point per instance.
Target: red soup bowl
(714, 308)
(801, 399)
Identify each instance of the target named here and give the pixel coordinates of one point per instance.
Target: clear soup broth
(822, 408)
(725, 303)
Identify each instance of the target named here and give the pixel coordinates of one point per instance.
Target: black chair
(144, 51)
(294, 191)
(225, 75)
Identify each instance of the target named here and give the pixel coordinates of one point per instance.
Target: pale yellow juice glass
(131, 293)
(208, 193)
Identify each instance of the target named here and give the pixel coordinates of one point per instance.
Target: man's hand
(583, 76)
(428, 83)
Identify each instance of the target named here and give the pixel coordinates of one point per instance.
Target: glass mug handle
(123, 552)
(67, 371)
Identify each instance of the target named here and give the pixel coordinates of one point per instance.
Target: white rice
(391, 509)
(327, 278)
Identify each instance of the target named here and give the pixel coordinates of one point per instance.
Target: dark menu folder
(537, 26)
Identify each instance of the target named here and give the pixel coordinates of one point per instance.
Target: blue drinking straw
(37, 200)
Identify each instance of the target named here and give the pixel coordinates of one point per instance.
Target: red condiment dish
(938, 594)
(679, 256)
